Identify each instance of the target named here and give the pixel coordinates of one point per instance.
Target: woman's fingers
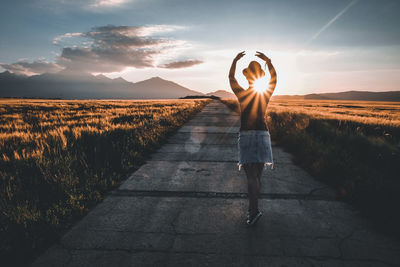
(239, 55)
(258, 54)
(262, 56)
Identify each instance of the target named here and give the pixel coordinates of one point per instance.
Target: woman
(254, 142)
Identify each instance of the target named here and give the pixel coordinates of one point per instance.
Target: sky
(316, 46)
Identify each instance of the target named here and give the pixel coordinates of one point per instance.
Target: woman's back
(253, 107)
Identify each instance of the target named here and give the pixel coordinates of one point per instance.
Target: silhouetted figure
(254, 142)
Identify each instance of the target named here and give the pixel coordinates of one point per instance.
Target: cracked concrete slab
(218, 177)
(209, 129)
(204, 138)
(187, 205)
(289, 229)
(211, 120)
(215, 153)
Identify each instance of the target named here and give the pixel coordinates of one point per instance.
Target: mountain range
(347, 95)
(67, 84)
(71, 85)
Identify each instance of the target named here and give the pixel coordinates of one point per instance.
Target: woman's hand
(263, 57)
(239, 56)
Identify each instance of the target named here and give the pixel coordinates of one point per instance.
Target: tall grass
(352, 146)
(58, 158)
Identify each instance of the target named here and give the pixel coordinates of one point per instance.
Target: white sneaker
(253, 219)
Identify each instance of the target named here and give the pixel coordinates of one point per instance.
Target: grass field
(352, 145)
(58, 158)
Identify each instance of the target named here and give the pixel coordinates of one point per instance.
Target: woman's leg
(253, 184)
(259, 167)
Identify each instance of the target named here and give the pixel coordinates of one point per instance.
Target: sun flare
(260, 85)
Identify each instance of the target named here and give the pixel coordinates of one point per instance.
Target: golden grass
(366, 112)
(29, 123)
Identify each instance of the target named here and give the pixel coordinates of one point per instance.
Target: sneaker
(253, 219)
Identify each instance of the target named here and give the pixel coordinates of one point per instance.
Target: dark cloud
(122, 36)
(87, 5)
(31, 68)
(180, 64)
(113, 48)
(105, 60)
(109, 49)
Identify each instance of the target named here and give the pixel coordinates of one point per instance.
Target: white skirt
(255, 146)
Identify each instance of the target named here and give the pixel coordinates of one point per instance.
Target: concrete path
(186, 207)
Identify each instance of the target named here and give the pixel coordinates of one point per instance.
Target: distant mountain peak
(10, 75)
(120, 79)
(102, 76)
(157, 78)
(73, 73)
(222, 94)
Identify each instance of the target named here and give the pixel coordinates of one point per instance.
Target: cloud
(180, 64)
(122, 36)
(111, 48)
(87, 5)
(63, 37)
(108, 3)
(31, 68)
(105, 60)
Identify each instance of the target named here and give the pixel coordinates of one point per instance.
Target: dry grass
(27, 125)
(57, 158)
(365, 112)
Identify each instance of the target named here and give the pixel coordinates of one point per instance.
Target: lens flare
(260, 85)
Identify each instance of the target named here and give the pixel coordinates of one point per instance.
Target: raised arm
(273, 80)
(272, 72)
(236, 88)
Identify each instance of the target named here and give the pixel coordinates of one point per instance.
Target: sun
(260, 85)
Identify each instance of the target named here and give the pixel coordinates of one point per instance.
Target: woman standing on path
(254, 141)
